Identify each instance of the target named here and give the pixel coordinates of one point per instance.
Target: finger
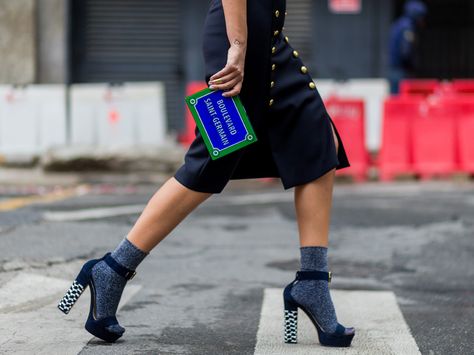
(231, 93)
(227, 85)
(226, 70)
(224, 79)
(234, 91)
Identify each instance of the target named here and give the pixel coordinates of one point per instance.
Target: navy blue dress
(295, 140)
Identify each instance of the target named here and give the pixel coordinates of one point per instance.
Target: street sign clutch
(222, 121)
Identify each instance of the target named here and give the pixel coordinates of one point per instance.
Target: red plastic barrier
(418, 87)
(188, 134)
(349, 117)
(465, 128)
(396, 153)
(434, 139)
(463, 86)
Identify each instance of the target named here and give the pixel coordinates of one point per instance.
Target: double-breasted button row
(277, 13)
(311, 84)
(276, 33)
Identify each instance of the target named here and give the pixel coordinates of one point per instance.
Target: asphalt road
(205, 288)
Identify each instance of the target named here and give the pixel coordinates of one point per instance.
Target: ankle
(314, 258)
(128, 255)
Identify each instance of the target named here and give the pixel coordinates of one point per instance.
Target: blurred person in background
(403, 43)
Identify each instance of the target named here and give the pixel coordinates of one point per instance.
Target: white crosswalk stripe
(30, 322)
(380, 326)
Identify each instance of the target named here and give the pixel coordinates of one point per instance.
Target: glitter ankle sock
(314, 294)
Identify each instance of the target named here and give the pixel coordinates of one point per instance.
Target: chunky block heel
(71, 296)
(290, 323)
(97, 327)
(342, 337)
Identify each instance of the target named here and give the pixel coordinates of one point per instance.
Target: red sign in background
(345, 6)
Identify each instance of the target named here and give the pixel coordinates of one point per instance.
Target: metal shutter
(446, 43)
(298, 27)
(129, 40)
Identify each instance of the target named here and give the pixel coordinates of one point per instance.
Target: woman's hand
(230, 78)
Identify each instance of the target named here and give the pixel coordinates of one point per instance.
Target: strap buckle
(329, 276)
(130, 275)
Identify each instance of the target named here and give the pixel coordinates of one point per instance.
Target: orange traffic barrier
(349, 117)
(463, 86)
(189, 132)
(422, 87)
(396, 153)
(434, 138)
(464, 111)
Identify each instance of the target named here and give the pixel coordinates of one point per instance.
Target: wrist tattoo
(238, 42)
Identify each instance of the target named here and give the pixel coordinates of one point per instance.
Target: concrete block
(32, 119)
(129, 115)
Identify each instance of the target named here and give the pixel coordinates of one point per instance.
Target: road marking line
(98, 213)
(380, 326)
(32, 324)
(19, 202)
(92, 213)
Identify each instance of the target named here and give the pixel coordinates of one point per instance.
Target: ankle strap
(118, 268)
(314, 275)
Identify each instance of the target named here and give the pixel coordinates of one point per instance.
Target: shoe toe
(116, 329)
(349, 331)
(344, 331)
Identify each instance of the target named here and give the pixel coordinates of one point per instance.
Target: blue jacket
(403, 36)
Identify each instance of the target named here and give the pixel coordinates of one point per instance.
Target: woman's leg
(164, 211)
(313, 202)
(168, 206)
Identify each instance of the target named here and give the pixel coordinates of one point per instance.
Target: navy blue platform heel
(97, 327)
(342, 337)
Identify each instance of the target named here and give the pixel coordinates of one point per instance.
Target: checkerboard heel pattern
(290, 324)
(71, 296)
